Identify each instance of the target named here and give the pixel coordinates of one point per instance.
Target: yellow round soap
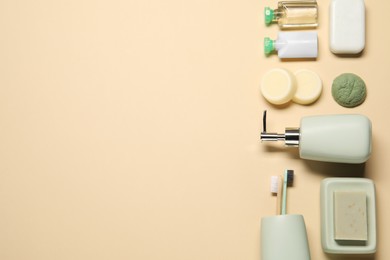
(309, 87)
(278, 86)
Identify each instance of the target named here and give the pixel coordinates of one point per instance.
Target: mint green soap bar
(349, 90)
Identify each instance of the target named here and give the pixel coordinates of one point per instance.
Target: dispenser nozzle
(290, 137)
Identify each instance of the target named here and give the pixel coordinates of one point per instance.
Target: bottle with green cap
(293, 14)
(293, 45)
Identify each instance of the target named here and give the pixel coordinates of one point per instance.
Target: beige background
(130, 129)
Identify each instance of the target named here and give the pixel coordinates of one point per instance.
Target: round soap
(278, 86)
(309, 87)
(349, 90)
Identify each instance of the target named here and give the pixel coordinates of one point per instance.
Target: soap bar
(350, 215)
(278, 86)
(347, 26)
(309, 87)
(331, 186)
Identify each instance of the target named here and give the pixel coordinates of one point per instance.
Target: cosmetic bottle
(293, 14)
(293, 45)
(328, 138)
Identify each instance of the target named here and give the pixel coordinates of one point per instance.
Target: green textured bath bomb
(349, 90)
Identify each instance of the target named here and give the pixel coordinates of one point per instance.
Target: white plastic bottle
(293, 45)
(328, 138)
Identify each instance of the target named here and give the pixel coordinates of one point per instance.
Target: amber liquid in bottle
(296, 14)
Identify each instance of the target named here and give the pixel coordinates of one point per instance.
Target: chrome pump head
(290, 137)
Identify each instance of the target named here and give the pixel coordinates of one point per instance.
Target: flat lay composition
(348, 208)
(188, 130)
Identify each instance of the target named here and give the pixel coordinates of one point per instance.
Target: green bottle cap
(268, 15)
(268, 45)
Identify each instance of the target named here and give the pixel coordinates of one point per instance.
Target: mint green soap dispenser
(328, 138)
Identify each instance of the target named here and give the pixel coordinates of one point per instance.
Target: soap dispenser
(328, 138)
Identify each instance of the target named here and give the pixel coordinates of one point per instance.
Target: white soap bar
(350, 215)
(278, 86)
(309, 87)
(347, 26)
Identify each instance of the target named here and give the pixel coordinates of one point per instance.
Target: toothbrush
(276, 187)
(288, 179)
